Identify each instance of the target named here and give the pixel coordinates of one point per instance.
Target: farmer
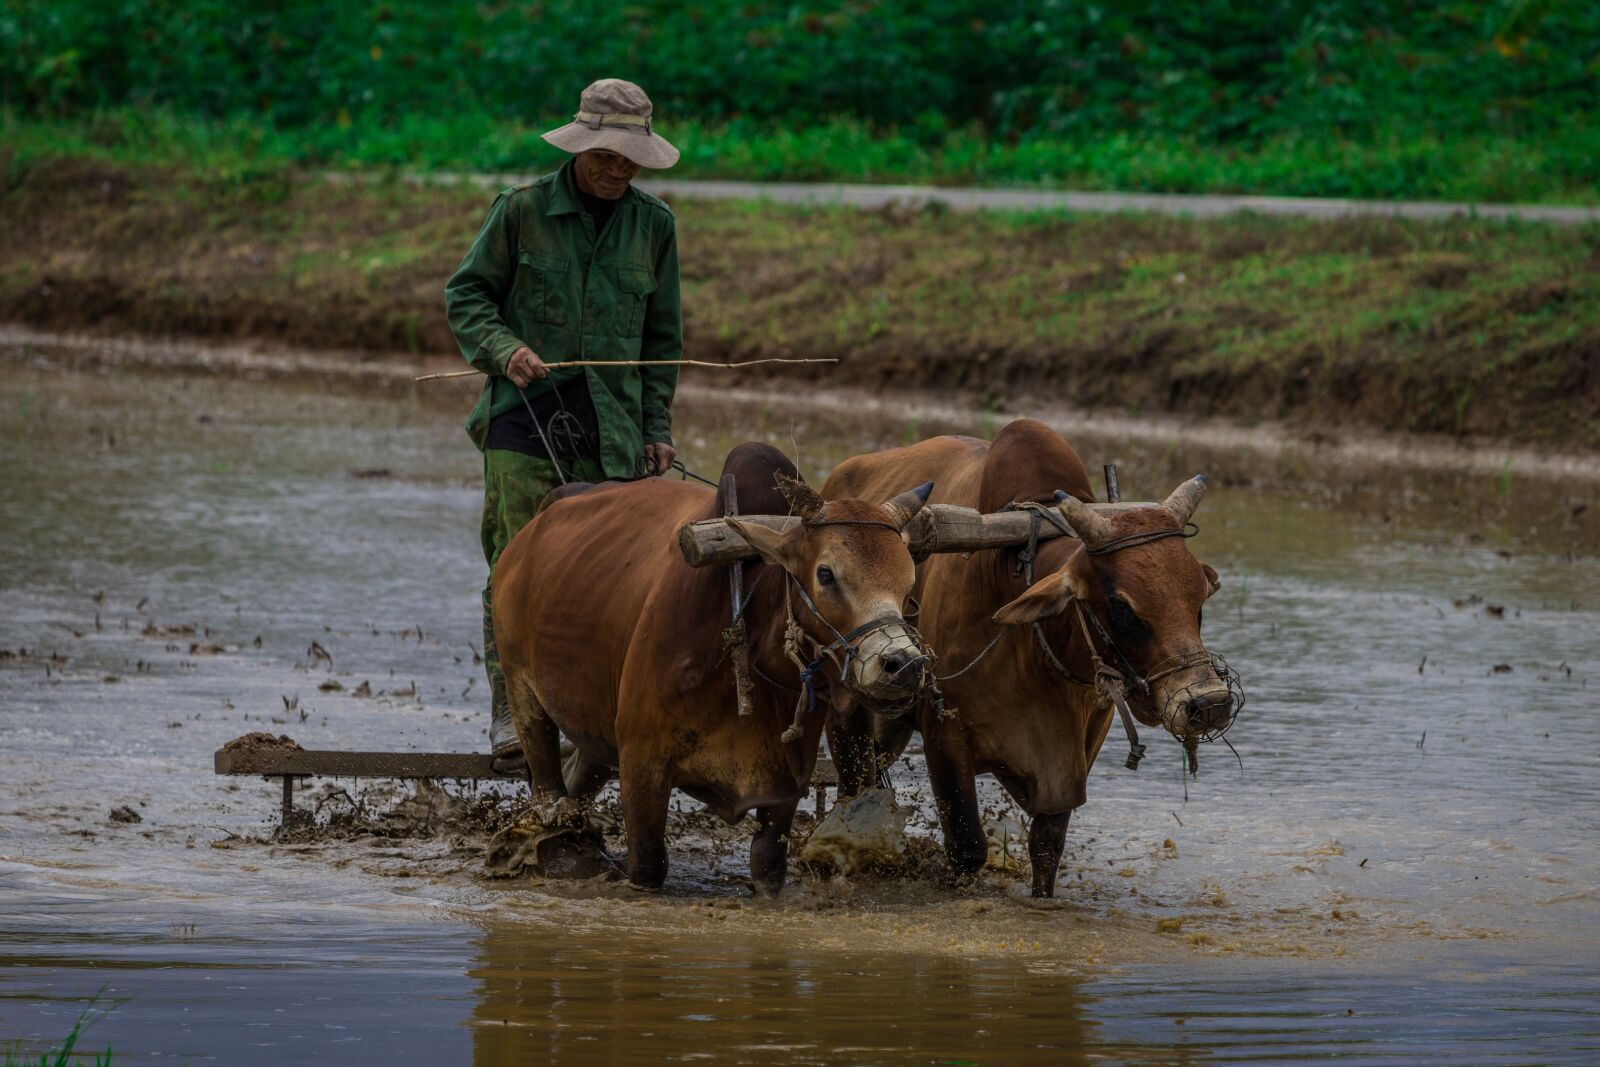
(577, 265)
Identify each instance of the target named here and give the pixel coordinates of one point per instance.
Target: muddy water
(1405, 865)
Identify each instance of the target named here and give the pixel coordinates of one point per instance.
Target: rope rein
(564, 438)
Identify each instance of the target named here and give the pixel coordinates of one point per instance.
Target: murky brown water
(174, 543)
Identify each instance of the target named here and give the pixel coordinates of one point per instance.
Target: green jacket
(538, 275)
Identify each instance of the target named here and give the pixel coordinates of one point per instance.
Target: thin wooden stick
(627, 363)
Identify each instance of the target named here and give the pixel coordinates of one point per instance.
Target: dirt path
(875, 197)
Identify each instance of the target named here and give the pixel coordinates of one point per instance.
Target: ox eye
(1124, 621)
(825, 575)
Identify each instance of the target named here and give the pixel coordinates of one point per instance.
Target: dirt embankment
(1458, 327)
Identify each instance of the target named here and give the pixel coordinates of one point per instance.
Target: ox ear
(773, 547)
(1212, 580)
(1047, 597)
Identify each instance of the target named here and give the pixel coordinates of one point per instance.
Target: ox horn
(1092, 529)
(803, 500)
(903, 508)
(1186, 498)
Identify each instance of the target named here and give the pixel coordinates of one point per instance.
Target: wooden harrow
(288, 763)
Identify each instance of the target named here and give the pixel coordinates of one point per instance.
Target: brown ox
(608, 636)
(1024, 712)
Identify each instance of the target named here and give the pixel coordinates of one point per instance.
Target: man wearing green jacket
(577, 265)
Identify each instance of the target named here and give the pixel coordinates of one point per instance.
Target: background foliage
(1214, 69)
(1140, 93)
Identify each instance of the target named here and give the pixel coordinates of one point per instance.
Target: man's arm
(663, 339)
(473, 294)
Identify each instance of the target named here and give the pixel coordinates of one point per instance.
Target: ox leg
(1047, 835)
(645, 792)
(955, 794)
(855, 756)
(541, 742)
(769, 849)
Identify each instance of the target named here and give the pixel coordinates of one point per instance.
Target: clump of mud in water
(262, 742)
(555, 840)
(863, 833)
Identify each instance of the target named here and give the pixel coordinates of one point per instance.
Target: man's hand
(658, 456)
(523, 368)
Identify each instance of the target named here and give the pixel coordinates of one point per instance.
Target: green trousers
(514, 485)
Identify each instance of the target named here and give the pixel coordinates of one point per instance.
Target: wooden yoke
(936, 528)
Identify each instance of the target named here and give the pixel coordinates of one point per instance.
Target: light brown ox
(1018, 717)
(608, 636)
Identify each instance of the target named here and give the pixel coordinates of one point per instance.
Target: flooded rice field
(1405, 864)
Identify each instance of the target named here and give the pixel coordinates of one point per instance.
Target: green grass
(63, 1057)
(1553, 166)
(65, 1054)
(1456, 326)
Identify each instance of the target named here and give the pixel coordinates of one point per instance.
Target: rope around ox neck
(795, 637)
(1109, 683)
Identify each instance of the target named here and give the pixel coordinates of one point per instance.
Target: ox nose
(1211, 711)
(903, 669)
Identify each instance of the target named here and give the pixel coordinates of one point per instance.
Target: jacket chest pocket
(541, 291)
(634, 286)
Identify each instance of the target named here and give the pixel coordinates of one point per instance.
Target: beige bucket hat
(615, 115)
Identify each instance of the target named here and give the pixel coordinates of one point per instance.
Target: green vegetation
(1557, 168)
(1458, 327)
(1466, 99)
(63, 1055)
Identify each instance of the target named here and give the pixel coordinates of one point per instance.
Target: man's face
(604, 174)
